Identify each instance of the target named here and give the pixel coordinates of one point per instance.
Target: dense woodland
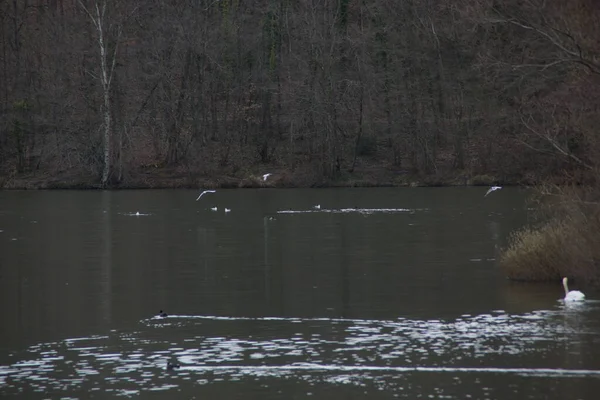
(136, 93)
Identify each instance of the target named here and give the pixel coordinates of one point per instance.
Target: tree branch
(88, 13)
(555, 145)
(577, 55)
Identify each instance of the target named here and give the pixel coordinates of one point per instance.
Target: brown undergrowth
(566, 243)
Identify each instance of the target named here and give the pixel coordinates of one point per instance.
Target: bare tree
(319, 89)
(108, 59)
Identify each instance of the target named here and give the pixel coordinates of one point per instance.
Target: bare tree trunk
(107, 68)
(177, 119)
(360, 127)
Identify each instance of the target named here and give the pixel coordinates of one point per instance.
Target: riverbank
(564, 241)
(173, 178)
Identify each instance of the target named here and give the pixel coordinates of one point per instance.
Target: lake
(372, 293)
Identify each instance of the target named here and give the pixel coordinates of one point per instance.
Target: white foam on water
(348, 210)
(547, 372)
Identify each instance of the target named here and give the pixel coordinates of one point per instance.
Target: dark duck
(171, 366)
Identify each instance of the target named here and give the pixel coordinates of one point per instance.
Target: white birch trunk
(106, 74)
(105, 80)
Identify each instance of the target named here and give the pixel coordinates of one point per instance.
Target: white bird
(573, 295)
(203, 193)
(317, 207)
(490, 190)
(227, 209)
(130, 214)
(265, 176)
(214, 208)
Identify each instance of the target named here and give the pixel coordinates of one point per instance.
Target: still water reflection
(376, 293)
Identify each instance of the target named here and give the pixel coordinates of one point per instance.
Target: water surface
(377, 293)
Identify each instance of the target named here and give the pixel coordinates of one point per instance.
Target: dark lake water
(379, 293)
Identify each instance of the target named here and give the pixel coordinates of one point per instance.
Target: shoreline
(282, 179)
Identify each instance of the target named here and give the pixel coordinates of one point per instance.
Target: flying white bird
(227, 209)
(490, 190)
(203, 193)
(265, 176)
(573, 295)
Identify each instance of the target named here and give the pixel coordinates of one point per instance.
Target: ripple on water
(363, 211)
(380, 353)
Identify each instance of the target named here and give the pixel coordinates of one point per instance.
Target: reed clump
(567, 243)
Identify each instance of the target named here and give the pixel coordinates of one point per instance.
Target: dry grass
(534, 254)
(567, 245)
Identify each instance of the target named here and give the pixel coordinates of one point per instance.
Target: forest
(182, 93)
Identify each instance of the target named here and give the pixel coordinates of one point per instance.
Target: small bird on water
(162, 314)
(171, 366)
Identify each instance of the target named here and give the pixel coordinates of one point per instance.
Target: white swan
(573, 295)
(203, 193)
(317, 207)
(493, 188)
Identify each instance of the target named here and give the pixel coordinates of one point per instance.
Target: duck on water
(171, 366)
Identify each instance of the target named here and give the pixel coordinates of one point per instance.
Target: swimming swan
(573, 295)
